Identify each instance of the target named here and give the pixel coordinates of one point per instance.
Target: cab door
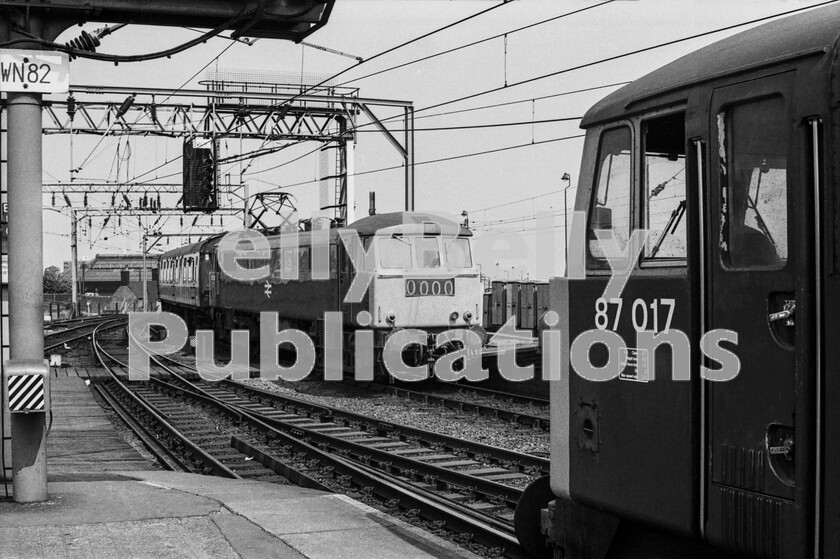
(758, 289)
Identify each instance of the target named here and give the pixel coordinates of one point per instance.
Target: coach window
(611, 206)
(663, 188)
(754, 209)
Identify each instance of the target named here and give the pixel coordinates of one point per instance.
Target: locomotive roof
(370, 225)
(366, 226)
(812, 32)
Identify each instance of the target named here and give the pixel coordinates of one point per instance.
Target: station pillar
(26, 286)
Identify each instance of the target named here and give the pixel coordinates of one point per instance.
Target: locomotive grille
(743, 467)
(752, 525)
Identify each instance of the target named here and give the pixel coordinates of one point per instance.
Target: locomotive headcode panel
(697, 397)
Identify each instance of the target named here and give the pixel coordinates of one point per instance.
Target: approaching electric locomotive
(420, 269)
(728, 159)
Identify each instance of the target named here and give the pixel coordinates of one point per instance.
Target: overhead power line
(620, 56)
(378, 55)
(450, 158)
(491, 125)
(474, 43)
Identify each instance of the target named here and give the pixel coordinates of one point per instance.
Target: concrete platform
(81, 438)
(174, 515)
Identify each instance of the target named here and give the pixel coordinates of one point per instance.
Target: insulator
(153, 112)
(211, 221)
(125, 106)
(139, 202)
(67, 199)
(104, 223)
(85, 200)
(221, 221)
(158, 200)
(119, 221)
(146, 200)
(90, 223)
(53, 199)
(71, 107)
(113, 199)
(182, 221)
(127, 201)
(85, 41)
(139, 221)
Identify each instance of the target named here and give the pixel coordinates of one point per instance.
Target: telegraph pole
(145, 288)
(74, 261)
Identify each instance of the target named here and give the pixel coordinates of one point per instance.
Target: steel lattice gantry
(329, 115)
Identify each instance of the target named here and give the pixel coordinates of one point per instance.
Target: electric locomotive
(715, 424)
(419, 268)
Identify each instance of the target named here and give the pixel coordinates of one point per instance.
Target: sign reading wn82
(34, 71)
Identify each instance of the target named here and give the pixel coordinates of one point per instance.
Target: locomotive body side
(696, 406)
(420, 268)
(297, 297)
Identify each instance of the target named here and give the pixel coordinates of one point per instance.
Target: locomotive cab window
(663, 188)
(753, 178)
(395, 253)
(458, 253)
(611, 206)
(427, 253)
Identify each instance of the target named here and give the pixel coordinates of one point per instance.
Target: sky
(502, 175)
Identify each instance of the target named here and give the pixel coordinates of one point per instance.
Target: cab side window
(753, 175)
(611, 210)
(663, 201)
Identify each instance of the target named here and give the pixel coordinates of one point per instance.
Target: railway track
(60, 334)
(464, 487)
(514, 408)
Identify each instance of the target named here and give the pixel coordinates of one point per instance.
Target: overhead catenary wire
(607, 60)
(583, 90)
(450, 158)
(223, 51)
(477, 42)
(527, 199)
(597, 62)
(490, 125)
(620, 56)
(367, 60)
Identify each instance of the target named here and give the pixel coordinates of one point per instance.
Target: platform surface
(174, 515)
(81, 437)
(106, 501)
